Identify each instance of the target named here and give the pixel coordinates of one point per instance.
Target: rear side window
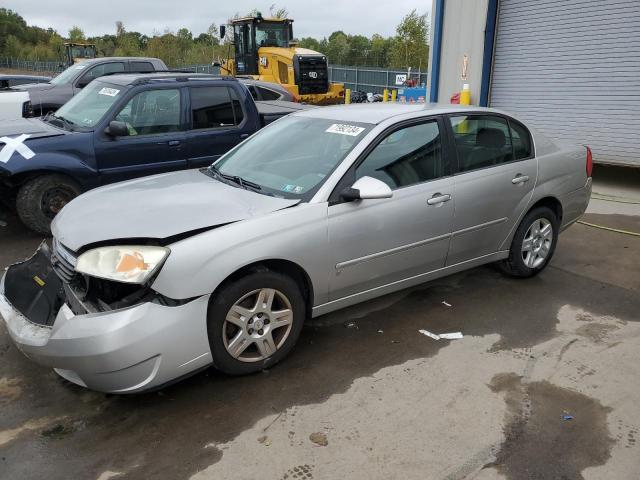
(142, 67)
(521, 137)
(481, 141)
(406, 157)
(267, 94)
(211, 107)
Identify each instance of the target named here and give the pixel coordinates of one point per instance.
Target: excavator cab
(252, 33)
(78, 52)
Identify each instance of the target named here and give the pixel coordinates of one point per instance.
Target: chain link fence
(41, 66)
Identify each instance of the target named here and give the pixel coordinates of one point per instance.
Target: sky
(311, 19)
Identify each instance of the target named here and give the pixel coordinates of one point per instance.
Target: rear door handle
(243, 136)
(520, 179)
(439, 198)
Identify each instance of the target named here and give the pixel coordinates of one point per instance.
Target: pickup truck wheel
(254, 322)
(41, 198)
(533, 244)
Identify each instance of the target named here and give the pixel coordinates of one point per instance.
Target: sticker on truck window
(344, 129)
(112, 92)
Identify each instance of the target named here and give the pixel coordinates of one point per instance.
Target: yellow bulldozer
(265, 50)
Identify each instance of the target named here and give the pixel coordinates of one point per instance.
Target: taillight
(589, 162)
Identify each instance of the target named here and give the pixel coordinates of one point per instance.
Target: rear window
(521, 140)
(267, 94)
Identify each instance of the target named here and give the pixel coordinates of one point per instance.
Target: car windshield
(291, 157)
(67, 75)
(88, 107)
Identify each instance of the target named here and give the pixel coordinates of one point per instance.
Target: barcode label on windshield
(343, 129)
(112, 92)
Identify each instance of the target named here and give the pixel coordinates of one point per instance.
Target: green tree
(410, 46)
(76, 34)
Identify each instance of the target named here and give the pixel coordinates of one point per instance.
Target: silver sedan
(151, 280)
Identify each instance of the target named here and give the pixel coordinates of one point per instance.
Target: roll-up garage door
(571, 68)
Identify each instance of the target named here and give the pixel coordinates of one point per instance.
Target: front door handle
(243, 136)
(518, 179)
(439, 198)
(173, 143)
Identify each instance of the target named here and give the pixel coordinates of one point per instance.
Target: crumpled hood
(34, 127)
(159, 206)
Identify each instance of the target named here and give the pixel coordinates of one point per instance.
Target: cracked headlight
(129, 264)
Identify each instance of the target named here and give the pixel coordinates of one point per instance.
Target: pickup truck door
(156, 140)
(218, 123)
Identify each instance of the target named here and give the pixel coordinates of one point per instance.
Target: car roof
(92, 61)
(378, 112)
(159, 76)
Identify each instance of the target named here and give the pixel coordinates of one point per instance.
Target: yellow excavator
(265, 50)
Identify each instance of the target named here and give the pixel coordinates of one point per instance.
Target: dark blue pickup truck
(121, 127)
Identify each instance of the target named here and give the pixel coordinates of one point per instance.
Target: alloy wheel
(257, 325)
(537, 242)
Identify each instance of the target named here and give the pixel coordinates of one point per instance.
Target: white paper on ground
(429, 334)
(446, 304)
(451, 336)
(446, 336)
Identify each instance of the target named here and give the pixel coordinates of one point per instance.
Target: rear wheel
(254, 322)
(40, 199)
(533, 244)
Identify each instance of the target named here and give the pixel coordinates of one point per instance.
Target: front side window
(152, 112)
(101, 70)
(88, 107)
(406, 157)
(481, 141)
(211, 107)
(293, 156)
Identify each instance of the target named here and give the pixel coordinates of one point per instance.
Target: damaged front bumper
(127, 350)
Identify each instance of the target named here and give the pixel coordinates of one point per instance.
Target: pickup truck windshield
(67, 75)
(88, 107)
(292, 156)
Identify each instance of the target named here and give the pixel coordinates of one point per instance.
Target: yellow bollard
(347, 96)
(465, 95)
(394, 96)
(385, 95)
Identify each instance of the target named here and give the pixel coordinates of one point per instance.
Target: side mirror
(223, 31)
(117, 129)
(367, 188)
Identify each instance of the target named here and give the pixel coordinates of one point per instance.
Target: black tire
(220, 305)
(41, 198)
(515, 264)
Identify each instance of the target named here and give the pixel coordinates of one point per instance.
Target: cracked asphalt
(542, 386)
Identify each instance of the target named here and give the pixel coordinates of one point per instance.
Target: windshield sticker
(343, 129)
(112, 92)
(12, 145)
(292, 189)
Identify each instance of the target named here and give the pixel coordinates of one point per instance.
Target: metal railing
(44, 66)
(372, 79)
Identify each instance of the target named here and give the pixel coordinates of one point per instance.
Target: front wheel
(254, 322)
(41, 198)
(533, 244)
